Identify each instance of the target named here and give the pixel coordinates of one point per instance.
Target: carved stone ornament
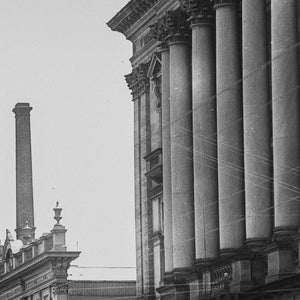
(160, 32)
(157, 92)
(200, 11)
(178, 26)
(60, 268)
(59, 288)
(137, 80)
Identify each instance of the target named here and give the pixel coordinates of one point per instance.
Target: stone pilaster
(60, 272)
(286, 120)
(160, 32)
(24, 188)
(138, 82)
(230, 127)
(257, 123)
(204, 131)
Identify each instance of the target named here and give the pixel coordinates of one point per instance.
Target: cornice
(130, 14)
(35, 263)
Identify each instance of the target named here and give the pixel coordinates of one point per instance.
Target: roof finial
(57, 211)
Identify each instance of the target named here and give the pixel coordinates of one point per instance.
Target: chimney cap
(22, 108)
(22, 104)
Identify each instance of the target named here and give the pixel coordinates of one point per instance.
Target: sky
(60, 56)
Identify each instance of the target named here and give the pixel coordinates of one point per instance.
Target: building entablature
(130, 14)
(139, 32)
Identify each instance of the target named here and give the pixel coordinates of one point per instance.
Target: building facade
(216, 147)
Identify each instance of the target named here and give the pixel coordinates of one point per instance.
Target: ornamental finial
(57, 213)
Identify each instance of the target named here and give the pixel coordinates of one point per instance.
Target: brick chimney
(24, 192)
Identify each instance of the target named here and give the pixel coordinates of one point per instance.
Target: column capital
(160, 32)
(219, 3)
(200, 12)
(137, 80)
(178, 26)
(60, 288)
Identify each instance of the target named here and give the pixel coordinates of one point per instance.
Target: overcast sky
(60, 56)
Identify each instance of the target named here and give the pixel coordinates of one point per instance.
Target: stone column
(181, 143)
(286, 107)
(166, 146)
(257, 123)
(24, 189)
(204, 131)
(230, 127)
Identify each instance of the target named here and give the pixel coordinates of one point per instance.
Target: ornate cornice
(218, 3)
(130, 14)
(200, 11)
(137, 80)
(177, 26)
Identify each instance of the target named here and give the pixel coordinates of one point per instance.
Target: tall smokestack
(24, 191)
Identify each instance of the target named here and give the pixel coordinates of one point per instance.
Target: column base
(175, 286)
(281, 254)
(202, 278)
(204, 263)
(284, 233)
(256, 244)
(229, 253)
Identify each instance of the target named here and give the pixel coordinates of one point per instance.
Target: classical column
(230, 127)
(166, 145)
(181, 143)
(286, 107)
(24, 189)
(257, 123)
(160, 33)
(204, 131)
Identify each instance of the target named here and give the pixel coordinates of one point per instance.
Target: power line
(100, 267)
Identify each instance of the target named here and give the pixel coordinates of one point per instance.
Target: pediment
(154, 66)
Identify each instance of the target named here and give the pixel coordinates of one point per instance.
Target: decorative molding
(138, 81)
(60, 288)
(154, 165)
(130, 14)
(60, 267)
